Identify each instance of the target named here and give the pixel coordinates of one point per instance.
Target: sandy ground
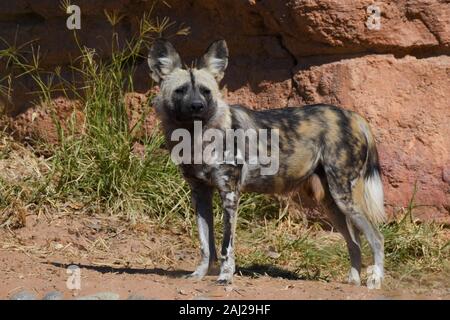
(144, 261)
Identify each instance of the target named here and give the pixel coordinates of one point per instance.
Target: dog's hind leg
(349, 197)
(351, 236)
(319, 190)
(202, 202)
(376, 241)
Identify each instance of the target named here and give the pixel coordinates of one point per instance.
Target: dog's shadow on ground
(253, 271)
(258, 270)
(177, 273)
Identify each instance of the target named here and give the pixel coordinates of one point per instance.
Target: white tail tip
(374, 197)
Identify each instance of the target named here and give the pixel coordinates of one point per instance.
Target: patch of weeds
(417, 253)
(94, 163)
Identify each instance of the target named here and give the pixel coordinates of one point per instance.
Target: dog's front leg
(230, 201)
(202, 202)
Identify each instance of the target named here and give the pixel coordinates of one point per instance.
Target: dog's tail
(373, 186)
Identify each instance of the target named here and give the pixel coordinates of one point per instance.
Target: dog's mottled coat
(327, 148)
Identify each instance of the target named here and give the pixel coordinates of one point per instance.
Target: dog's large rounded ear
(163, 59)
(215, 60)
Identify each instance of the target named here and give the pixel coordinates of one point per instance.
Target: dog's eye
(180, 90)
(205, 91)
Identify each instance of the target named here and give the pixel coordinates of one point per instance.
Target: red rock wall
(294, 52)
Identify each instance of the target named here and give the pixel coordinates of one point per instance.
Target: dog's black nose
(197, 106)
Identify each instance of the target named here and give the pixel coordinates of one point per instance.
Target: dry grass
(270, 242)
(416, 254)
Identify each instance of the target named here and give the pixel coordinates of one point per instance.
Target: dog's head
(188, 94)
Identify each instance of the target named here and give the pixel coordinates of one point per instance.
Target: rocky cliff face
(396, 72)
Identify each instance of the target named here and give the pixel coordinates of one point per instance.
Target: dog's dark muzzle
(197, 107)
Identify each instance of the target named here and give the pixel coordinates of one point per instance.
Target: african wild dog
(329, 148)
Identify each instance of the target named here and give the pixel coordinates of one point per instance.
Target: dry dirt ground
(142, 260)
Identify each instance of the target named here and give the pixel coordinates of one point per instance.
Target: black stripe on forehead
(192, 78)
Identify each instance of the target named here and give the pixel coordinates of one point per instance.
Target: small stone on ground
(23, 295)
(136, 297)
(101, 296)
(54, 295)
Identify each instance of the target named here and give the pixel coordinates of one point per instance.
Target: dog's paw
(375, 277)
(353, 277)
(194, 276)
(225, 279)
(223, 282)
(198, 274)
